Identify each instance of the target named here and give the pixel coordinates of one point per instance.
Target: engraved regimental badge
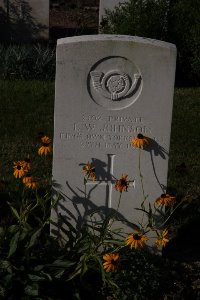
(114, 83)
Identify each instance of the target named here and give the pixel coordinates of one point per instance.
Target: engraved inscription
(105, 132)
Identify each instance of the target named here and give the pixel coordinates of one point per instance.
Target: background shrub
(138, 17)
(174, 21)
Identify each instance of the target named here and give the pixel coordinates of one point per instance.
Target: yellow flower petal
(140, 141)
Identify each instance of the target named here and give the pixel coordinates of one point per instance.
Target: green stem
(119, 201)
(142, 184)
(85, 187)
(115, 214)
(170, 215)
(141, 177)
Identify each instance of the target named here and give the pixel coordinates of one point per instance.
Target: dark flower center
(163, 196)
(45, 145)
(19, 167)
(123, 182)
(113, 262)
(137, 237)
(140, 136)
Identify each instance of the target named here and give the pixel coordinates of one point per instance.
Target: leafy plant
(27, 62)
(173, 21)
(146, 18)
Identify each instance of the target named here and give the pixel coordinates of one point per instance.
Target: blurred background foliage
(176, 21)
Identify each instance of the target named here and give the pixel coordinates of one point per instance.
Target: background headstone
(109, 89)
(108, 5)
(25, 20)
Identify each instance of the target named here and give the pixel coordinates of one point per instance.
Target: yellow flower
(136, 240)
(31, 184)
(45, 148)
(140, 141)
(27, 179)
(27, 164)
(162, 239)
(165, 199)
(122, 184)
(46, 140)
(89, 171)
(112, 262)
(19, 170)
(93, 176)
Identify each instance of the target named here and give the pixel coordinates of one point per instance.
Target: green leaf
(34, 238)
(62, 264)
(76, 272)
(14, 211)
(32, 290)
(83, 245)
(46, 275)
(114, 242)
(101, 268)
(38, 268)
(142, 210)
(84, 268)
(23, 234)
(13, 228)
(36, 278)
(13, 244)
(5, 265)
(42, 276)
(59, 274)
(76, 296)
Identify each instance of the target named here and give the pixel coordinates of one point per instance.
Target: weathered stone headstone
(109, 89)
(25, 19)
(108, 5)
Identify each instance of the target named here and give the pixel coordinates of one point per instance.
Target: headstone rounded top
(113, 37)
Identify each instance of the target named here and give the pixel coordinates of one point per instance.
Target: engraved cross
(109, 181)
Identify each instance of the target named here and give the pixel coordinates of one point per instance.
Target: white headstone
(28, 19)
(109, 89)
(108, 5)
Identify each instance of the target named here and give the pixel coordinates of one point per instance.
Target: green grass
(27, 108)
(184, 163)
